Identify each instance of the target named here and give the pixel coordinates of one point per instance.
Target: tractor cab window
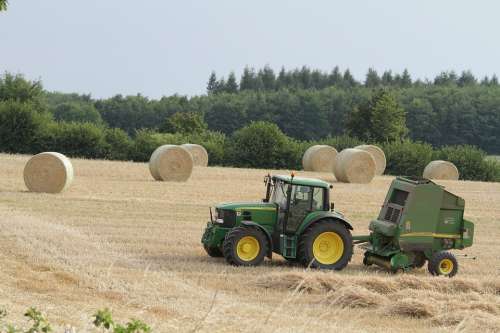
(300, 197)
(310, 198)
(304, 199)
(279, 194)
(318, 198)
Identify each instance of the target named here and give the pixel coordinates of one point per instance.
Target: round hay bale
(48, 172)
(171, 163)
(152, 169)
(441, 170)
(198, 152)
(354, 166)
(320, 158)
(378, 155)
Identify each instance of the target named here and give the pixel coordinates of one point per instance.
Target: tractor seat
(383, 227)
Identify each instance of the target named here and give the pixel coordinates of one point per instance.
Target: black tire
(430, 268)
(419, 260)
(305, 251)
(213, 251)
(440, 262)
(231, 242)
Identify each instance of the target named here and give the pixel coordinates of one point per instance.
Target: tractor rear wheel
(443, 263)
(245, 246)
(326, 244)
(213, 251)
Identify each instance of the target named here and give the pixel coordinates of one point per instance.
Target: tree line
(265, 79)
(439, 114)
(279, 124)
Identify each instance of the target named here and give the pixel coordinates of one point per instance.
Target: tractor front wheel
(326, 244)
(443, 263)
(245, 246)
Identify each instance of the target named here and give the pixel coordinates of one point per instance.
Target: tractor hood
(240, 206)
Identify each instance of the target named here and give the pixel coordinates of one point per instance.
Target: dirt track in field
(118, 239)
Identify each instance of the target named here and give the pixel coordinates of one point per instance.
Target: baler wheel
(326, 244)
(245, 246)
(443, 263)
(213, 251)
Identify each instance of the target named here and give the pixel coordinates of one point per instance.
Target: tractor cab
(295, 198)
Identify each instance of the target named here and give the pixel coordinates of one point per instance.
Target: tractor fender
(324, 216)
(264, 230)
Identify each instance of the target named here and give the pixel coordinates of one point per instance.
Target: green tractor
(295, 220)
(418, 222)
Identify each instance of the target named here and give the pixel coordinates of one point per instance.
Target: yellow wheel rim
(446, 266)
(248, 248)
(328, 248)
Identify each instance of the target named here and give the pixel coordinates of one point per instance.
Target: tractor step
(288, 245)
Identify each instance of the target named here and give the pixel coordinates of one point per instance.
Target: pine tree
(335, 77)
(231, 85)
(247, 81)
(387, 79)
(268, 78)
(494, 80)
(388, 118)
(446, 79)
(259, 84)
(305, 77)
(372, 79)
(318, 79)
(220, 86)
(405, 79)
(281, 81)
(466, 79)
(348, 80)
(212, 83)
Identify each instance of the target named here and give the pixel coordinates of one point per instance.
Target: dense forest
(310, 105)
(291, 110)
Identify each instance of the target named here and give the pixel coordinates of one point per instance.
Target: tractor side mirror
(332, 206)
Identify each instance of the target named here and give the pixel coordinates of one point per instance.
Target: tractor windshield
(279, 194)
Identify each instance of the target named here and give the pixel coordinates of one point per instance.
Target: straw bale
(48, 172)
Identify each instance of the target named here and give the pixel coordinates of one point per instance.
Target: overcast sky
(160, 47)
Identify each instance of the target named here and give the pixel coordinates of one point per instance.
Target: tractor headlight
(220, 221)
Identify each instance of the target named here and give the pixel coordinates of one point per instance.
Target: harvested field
(116, 238)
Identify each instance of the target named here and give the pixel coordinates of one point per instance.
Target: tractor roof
(303, 181)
